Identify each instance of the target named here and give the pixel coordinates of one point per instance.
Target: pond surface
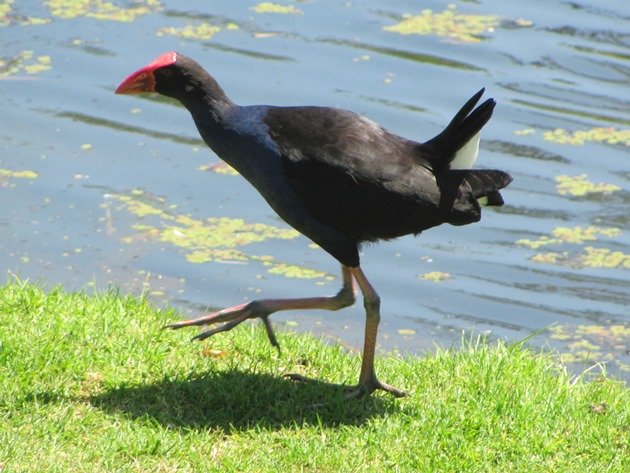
(98, 189)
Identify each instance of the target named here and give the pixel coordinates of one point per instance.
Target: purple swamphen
(336, 177)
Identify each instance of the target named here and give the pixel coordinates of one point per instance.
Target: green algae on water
(101, 10)
(589, 256)
(24, 174)
(270, 7)
(200, 31)
(584, 343)
(213, 239)
(607, 135)
(25, 62)
(579, 186)
(448, 23)
(436, 276)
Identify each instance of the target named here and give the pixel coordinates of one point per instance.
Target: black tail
(441, 149)
(486, 184)
(465, 191)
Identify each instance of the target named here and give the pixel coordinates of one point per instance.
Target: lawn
(89, 382)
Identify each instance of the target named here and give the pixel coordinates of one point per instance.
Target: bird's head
(157, 76)
(174, 75)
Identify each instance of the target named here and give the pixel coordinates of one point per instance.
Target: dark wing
(355, 176)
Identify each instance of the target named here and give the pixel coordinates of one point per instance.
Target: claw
(353, 392)
(222, 328)
(270, 333)
(232, 317)
(173, 326)
(212, 318)
(365, 389)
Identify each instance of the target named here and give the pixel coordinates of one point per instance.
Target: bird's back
(355, 176)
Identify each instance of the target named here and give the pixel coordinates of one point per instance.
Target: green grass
(90, 383)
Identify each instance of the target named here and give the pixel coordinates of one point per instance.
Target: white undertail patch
(465, 158)
(483, 201)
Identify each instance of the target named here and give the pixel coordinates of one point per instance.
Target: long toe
(352, 392)
(177, 325)
(230, 318)
(222, 328)
(391, 390)
(239, 312)
(368, 387)
(212, 318)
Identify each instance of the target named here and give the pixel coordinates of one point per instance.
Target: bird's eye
(167, 72)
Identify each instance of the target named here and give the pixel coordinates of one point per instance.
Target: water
(99, 158)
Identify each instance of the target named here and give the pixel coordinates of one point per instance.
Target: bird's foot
(230, 318)
(368, 387)
(354, 392)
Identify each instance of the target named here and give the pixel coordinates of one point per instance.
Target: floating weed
(292, 271)
(220, 255)
(5, 10)
(436, 276)
(577, 235)
(579, 186)
(6, 175)
(559, 332)
(9, 17)
(41, 64)
(448, 23)
(604, 258)
(101, 10)
(25, 174)
(24, 62)
(588, 257)
(219, 168)
(614, 330)
(550, 257)
(270, 7)
(220, 232)
(609, 135)
(584, 343)
(580, 235)
(138, 207)
(406, 331)
(535, 244)
(525, 132)
(580, 345)
(200, 31)
(214, 239)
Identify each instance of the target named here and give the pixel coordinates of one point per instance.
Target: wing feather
(352, 174)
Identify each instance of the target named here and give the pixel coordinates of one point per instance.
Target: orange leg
(263, 308)
(368, 383)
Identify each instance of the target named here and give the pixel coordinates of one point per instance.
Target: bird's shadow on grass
(239, 400)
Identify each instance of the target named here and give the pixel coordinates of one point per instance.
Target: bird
(338, 178)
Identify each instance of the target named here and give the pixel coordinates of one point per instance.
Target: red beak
(143, 80)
